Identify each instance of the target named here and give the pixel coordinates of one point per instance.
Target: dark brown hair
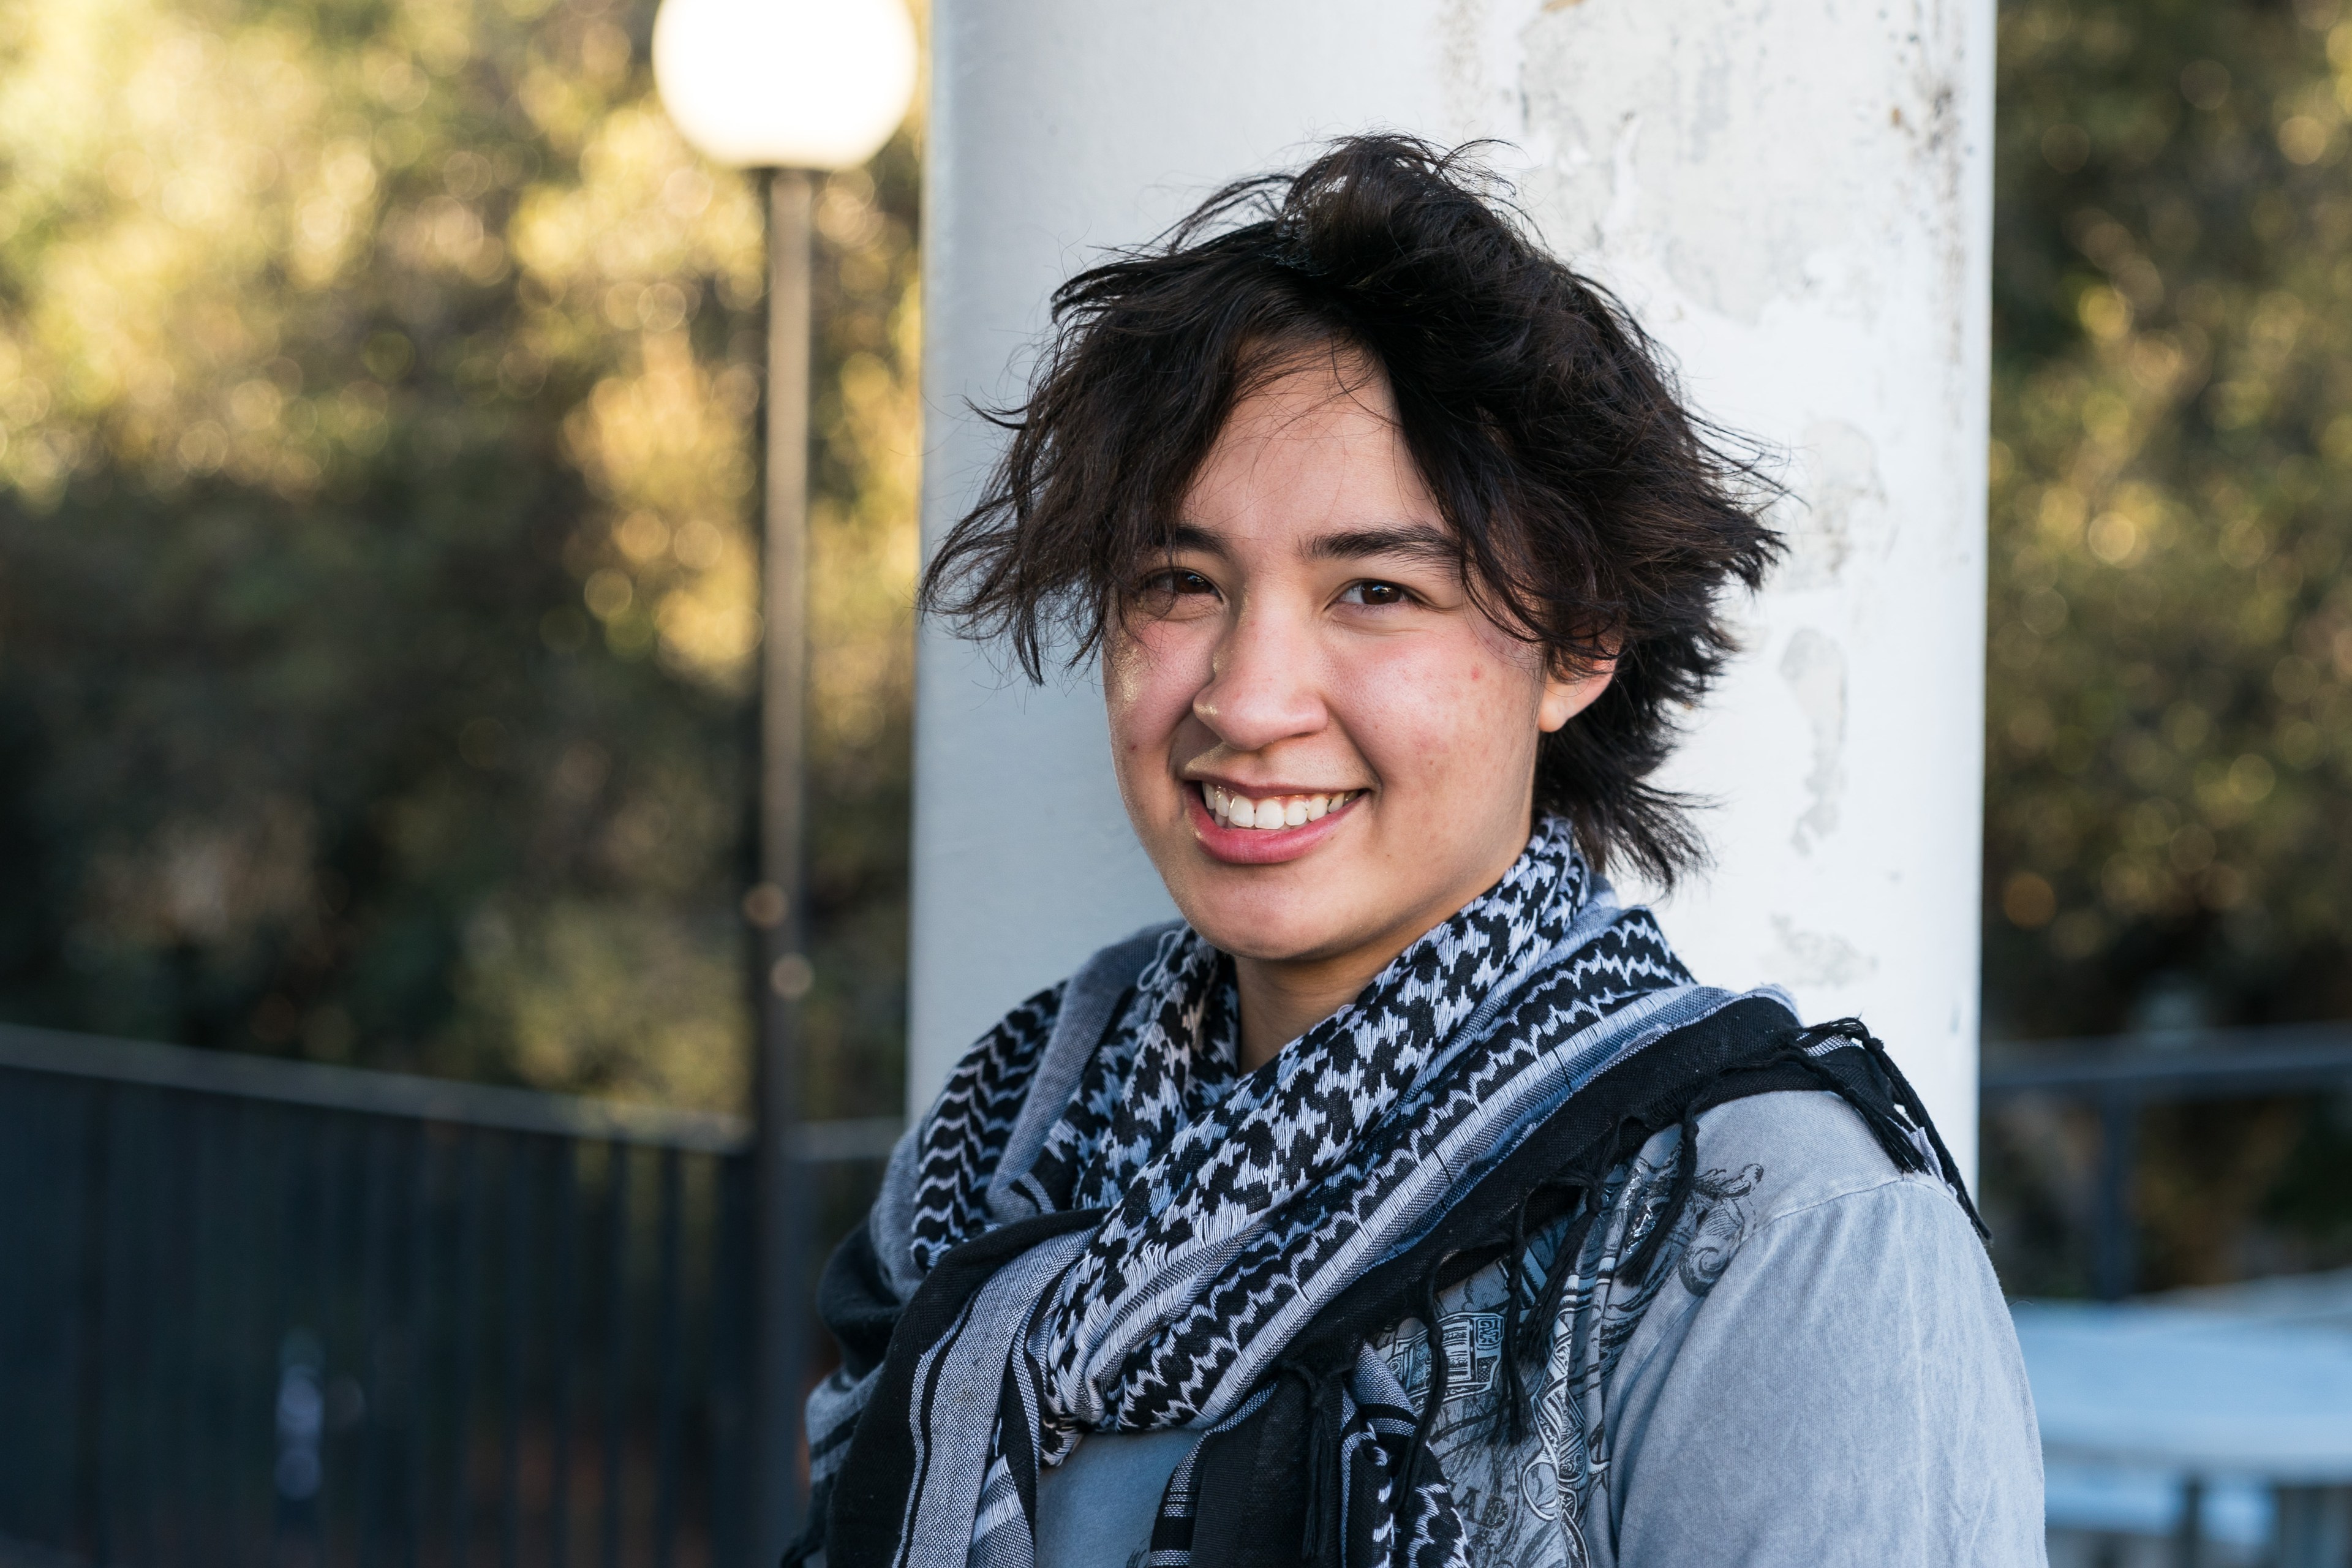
(1593, 512)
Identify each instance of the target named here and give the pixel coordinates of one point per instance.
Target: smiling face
(1325, 745)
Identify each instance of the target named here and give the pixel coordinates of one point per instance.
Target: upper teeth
(1274, 811)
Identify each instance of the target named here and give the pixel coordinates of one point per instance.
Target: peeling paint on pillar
(1814, 667)
(1791, 195)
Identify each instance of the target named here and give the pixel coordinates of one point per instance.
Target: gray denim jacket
(1818, 1371)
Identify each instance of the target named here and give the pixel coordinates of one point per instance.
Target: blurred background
(379, 613)
(378, 550)
(378, 617)
(2169, 778)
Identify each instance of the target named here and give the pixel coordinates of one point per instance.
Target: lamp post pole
(780, 1217)
(785, 88)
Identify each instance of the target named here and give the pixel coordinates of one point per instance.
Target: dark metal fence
(254, 1311)
(2119, 1078)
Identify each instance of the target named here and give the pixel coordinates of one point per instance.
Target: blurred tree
(377, 599)
(2169, 817)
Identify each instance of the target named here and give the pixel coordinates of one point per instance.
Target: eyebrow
(1419, 540)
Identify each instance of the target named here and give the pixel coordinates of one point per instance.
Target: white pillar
(1792, 195)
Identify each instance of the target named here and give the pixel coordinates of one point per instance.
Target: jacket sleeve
(1849, 1392)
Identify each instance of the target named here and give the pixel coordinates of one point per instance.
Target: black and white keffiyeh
(1104, 1224)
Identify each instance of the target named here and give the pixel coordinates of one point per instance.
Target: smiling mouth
(1234, 810)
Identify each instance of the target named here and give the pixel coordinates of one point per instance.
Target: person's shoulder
(1073, 1011)
(1822, 1290)
(1792, 1204)
(1790, 1151)
(1109, 972)
(1016, 1034)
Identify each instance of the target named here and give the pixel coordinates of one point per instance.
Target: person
(1408, 1199)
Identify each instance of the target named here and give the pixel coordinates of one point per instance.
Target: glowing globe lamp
(784, 84)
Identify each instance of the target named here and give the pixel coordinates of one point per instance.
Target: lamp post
(788, 88)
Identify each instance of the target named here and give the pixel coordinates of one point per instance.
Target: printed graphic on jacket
(1525, 1504)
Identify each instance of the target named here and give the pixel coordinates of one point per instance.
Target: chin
(1248, 928)
(1258, 948)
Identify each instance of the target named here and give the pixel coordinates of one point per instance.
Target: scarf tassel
(1433, 1403)
(1514, 1392)
(1646, 1252)
(1544, 1309)
(1325, 1487)
(1877, 1109)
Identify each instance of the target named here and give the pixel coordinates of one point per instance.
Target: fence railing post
(379, 1321)
(2113, 1266)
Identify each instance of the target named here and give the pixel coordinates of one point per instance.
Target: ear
(1567, 692)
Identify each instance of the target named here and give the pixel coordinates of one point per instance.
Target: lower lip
(1259, 846)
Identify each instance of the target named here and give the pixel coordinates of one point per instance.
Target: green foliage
(2168, 813)
(377, 572)
(2170, 699)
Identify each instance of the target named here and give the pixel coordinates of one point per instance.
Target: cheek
(1150, 678)
(1444, 710)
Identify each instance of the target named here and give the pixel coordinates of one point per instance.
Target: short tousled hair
(1595, 514)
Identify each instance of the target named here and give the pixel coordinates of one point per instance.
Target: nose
(1263, 685)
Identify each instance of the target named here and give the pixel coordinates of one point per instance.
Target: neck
(1282, 999)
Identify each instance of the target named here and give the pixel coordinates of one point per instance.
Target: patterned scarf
(1127, 1232)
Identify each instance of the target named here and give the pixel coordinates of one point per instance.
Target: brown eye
(1377, 595)
(1165, 590)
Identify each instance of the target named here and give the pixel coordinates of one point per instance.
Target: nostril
(1253, 707)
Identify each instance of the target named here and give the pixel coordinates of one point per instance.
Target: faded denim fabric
(1818, 1371)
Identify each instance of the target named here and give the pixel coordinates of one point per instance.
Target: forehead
(1315, 446)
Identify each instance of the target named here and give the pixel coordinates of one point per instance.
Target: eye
(1166, 590)
(1178, 583)
(1375, 594)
